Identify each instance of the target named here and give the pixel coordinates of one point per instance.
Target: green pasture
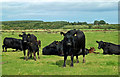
(96, 64)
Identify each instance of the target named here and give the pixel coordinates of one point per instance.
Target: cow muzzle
(69, 44)
(98, 47)
(25, 41)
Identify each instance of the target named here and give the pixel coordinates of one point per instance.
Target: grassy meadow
(96, 64)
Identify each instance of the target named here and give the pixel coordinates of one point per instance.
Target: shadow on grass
(21, 57)
(13, 51)
(60, 62)
(28, 59)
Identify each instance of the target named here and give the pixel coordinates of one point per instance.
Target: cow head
(68, 38)
(53, 44)
(101, 44)
(24, 37)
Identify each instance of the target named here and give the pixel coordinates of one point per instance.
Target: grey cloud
(60, 6)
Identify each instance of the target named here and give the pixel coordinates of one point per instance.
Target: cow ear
(23, 32)
(62, 33)
(104, 43)
(20, 35)
(97, 42)
(28, 34)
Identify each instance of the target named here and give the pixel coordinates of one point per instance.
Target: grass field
(96, 64)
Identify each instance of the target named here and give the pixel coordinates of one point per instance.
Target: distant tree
(96, 22)
(102, 22)
(84, 23)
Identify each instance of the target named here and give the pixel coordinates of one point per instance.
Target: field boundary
(54, 31)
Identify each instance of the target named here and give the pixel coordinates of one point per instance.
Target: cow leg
(3, 47)
(31, 55)
(38, 54)
(34, 55)
(83, 50)
(24, 54)
(77, 59)
(27, 55)
(65, 58)
(72, 57)
(16, 50)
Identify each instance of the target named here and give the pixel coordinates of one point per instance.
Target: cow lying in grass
(109, 48)
(56, 48)
(92, 49)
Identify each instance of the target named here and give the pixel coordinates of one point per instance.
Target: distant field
(96, 64)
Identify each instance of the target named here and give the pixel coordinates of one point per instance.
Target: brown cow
(92, 49)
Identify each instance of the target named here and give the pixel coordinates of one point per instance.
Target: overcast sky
(63, 10)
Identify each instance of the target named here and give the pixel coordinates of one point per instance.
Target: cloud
(59, 7)
(53, 10)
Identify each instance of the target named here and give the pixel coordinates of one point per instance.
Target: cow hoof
(24, 58)
(64, 66)
(71, 65)
(28, 57)
(83, 61)
(77, 61)
(38, 57)
(35, 59)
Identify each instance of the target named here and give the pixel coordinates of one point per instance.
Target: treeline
(22, 25)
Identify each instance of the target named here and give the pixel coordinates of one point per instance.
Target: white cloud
(54, 10)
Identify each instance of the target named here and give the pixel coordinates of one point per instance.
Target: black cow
(24, 42)
(39, 43)
(12, 43)
(109, 48)
(73, 41)
(30, 43)
(56, 48)
(33, 46)
(51, 49)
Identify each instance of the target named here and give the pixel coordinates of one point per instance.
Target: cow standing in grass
(30, 43)
(73, 41)
(109, 48)
(24, 43)
(33, 46)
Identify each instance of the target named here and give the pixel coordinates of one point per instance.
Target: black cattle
(109, 48)
(30, 43)
(56, 48)
(50, 49)
(73, 41)
(39, 43)
(24, 43)
(60, 48)
(33, 46)
(12, 43)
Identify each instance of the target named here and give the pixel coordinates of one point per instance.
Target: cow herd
(72, 45)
